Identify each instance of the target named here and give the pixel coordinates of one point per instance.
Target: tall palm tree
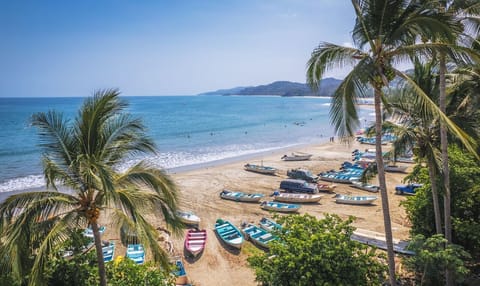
(419, 128)
(385, 33)
(85, 157)
(464, 12)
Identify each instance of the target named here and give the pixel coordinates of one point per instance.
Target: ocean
(188, 130)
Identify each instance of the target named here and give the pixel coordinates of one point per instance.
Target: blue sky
(70, 48)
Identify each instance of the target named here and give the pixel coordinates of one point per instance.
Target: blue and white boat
(269, 225)
(229, 233)
(108, 251)
(354, 200)
(88, 232)
(136, 253)
(279, 207)
(258, 235)
(240, 196)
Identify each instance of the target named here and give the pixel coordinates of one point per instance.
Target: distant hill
(282, 88)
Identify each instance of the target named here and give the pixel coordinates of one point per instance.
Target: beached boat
(395, 168)
(260, 169)
(297, 156)
(365, 187)
(179, 272)
(188, 217)
(108, 251)
(195, 241)
(326, 187)
(229, 233)
(257, 235)
(88, 232)
(269, 225)
(136, 253)
(279, 207)
(338, 178)
(354, 200)
(240, 196)
(296, 197)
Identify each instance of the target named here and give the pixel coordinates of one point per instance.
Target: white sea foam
(22, 183)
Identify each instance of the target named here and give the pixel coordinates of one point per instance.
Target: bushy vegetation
(318, 252)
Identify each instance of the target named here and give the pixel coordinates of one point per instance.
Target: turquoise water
(187, 129)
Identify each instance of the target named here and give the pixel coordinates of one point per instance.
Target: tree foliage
(465, 201)
(317, 252)
(432, 256)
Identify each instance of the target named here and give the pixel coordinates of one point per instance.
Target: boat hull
(188, 218)
(240, 197)
(195, 241)
(355, 200)
(260, 169)
(229, 234)
(297, 198)
(280, 207)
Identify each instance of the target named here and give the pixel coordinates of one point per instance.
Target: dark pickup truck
(407, 189)
(298, 186)
(302, 174)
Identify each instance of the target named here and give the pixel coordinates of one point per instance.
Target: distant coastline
(282, 88)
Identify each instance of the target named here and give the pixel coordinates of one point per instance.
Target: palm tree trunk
(98, 247)
(383, 187)
(445, 168)
(436, 205)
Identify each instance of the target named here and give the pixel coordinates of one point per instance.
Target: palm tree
(419, 128)
(85, 157)
(385, 33)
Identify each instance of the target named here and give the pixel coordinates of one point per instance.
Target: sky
(147, 47)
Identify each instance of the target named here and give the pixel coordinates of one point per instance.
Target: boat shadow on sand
(227, 247)
(190, 258)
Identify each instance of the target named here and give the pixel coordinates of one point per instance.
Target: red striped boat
(195, 241)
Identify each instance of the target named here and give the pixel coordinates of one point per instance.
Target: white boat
(395, 168)
(297, 156)
(365, 187)
(260, 169)
(354, 200)
(188, 217)
(408, 160)
(240, 196)
(296, 197)
(280, 207)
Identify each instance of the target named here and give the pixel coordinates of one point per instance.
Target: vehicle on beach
(280, 207)
(407, 189)
(296, 197)
(229, 233)
(195, 241)
(240, 196)
(354, 200)
(297, 156)
(302, 174)
(260, 169)
(298, 186)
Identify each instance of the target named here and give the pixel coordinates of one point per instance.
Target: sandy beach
(200, 193)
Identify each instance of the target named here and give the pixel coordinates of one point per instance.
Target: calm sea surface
(187, 129)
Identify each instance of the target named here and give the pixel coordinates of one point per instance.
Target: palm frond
(343, 111)
(428, 105)
(327, 57)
